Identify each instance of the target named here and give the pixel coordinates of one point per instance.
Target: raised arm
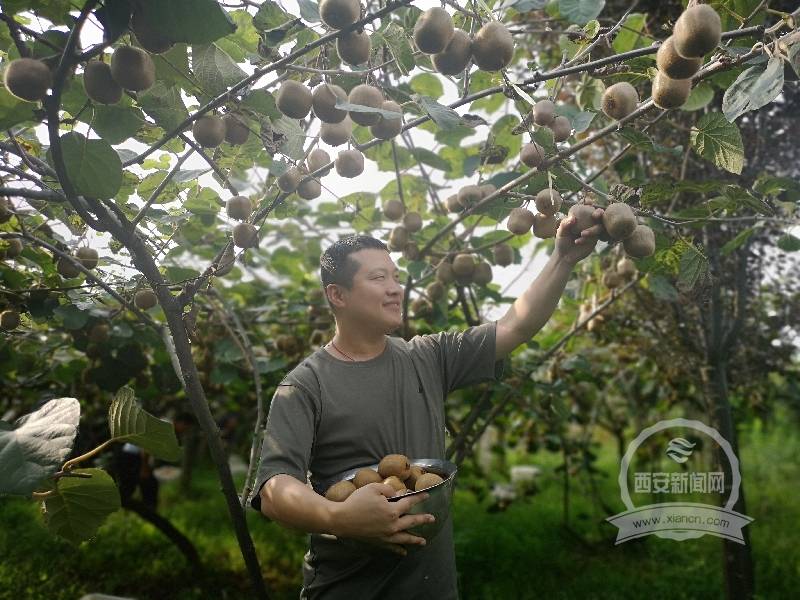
(535, 305)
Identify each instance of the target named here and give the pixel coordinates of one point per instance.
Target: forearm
(534, 307)
(291, 504)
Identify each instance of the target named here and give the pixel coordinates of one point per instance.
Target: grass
(523, 552)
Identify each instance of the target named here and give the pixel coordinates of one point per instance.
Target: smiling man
(368, 394)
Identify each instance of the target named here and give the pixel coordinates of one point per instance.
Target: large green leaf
(165, 105)
(444, 116)
(188, 21)
(37, 445)
(13, 110)
(693, 265)
(699, 97)
(130, 423)
(93, 166)
(630, 36)
(789, 243)
(115, 124)
(580, 11)
(718, 141)
(754, 88)
(214, 69)
(81, 504)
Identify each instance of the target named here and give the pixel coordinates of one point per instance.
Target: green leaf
(128, 422)
(214, 69)
(398, 45)
(699, 97)
(429, 158)
(93, 167)
(630, 36)
(188, 21)
(13, 110)
(309, 11)
(295, 136)
(81, 504)
(71, 316)
(718, 141)
(789, 243)
(270, 16)
(36, 445)
(737, 241)
(662, 288)
(693, 265)
(427, 84)
(165, 105)
(115, 124)
(580, 12)
(444, 116)
(754, 88)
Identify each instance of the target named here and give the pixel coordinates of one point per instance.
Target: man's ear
(335, 295)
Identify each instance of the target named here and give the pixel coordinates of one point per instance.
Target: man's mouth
(392, 304)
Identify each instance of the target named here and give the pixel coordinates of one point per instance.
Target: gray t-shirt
(329, 415)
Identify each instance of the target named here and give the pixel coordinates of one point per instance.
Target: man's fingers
(598, 214)
(593, 231)
(405, 538)
(405, 504)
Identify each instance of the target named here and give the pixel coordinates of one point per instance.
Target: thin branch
(161, 187)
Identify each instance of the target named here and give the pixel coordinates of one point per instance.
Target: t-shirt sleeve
(288, 438)
(465, 357)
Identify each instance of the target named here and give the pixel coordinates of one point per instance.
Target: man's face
(376, 297)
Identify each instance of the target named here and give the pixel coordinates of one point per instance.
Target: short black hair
(335, 264)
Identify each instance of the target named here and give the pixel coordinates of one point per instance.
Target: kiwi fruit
(584, 217)
(416, 473)
(420, 307)
(411, 251)
(548, 201)
(336, 134)
(492, 46)
(67, 268)
(469, 195)
(133, 69)
(323, 101)
(309, 189)
(453, 205)
(338, 14)
(412, 221)
(619, 220)
(28, 79)
(435, 291)
(145, 299)
(670, 93)
(290, 179)
(87, 256)
(697, 31)
(482, 275)
(245, 235)
(520, 221)
(350, 163)
(486, 190)
(433, 31)
(503, 255)
(641, 243)
(444, 272)
(455, 56)
(317, 159)
(545, 226)
(620, 100)
(427, 480)
(239, 207)
(398, 238)
(561, 128)
(396, 483)
(293, 99)
(386, 129)
(626, 267)
(544, 111)
(99, 84)
(463, 265)
(98, 334)
(366, 476)
(612, 279)
(366, 95)
(395, 464)
(672, 64)
(148, 38)
(236, 130)
(354, 47)
(531, 155)
(9, 320)
(13, 248)
(209, 131)
(393, 210)
(226, 262)
(340, 491)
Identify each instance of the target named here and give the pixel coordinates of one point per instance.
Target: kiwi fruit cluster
(622, 271)
(468, 196)
(696, 33)
(394, 470)
(544, 114)
(620, 100)
(620, 224)
(211, 130)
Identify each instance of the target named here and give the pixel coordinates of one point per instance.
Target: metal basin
(437, 504)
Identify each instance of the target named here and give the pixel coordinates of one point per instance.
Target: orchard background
(166, 320)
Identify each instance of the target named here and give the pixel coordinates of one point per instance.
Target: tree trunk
(191, 448)
(163, 524)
